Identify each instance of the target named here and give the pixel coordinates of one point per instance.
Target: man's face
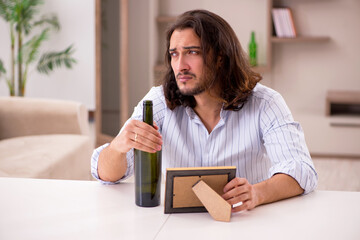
(187, 61)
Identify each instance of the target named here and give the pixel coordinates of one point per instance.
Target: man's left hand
(240, 190)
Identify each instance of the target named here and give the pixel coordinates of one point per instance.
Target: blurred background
(119, 48)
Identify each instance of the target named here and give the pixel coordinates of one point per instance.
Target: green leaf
(6, 9)
(11, 88)
(30, 50)
(2, 68)
(52, 21)
(24, 12)
(49, 65)
(51, 60)
(58, 62)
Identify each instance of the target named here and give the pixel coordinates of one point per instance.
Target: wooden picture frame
(179, 196)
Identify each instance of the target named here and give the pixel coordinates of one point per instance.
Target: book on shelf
(283, 22)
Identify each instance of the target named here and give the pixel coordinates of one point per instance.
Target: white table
(63, 209)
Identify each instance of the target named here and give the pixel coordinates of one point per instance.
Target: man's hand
(112, 163)
(240, 190)
(278, 187)
(138, 135)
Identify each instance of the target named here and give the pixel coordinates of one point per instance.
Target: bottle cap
(147, 103)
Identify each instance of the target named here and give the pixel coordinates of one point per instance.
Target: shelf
(342, 96)
(300, 39)
(346, 102)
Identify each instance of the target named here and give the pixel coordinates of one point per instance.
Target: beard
(197, 89)
(199, 86)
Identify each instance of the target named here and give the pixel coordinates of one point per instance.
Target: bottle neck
(148, 113)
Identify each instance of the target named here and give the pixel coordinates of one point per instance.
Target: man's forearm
(279, 186)
(112, 165)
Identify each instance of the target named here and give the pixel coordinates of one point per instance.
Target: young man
(211, 111)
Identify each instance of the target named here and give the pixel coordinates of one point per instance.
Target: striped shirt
(261, 139)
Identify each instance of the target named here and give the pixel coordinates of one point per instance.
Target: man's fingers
(240, 198)
(144, 148)
(233, 193)
(139, 135)
(239, 190)
(235, 183)
(147, 144)
(146, 130)
(236, 187)
(147, 137)
(156, 126)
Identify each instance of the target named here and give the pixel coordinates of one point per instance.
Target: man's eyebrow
(188, 47)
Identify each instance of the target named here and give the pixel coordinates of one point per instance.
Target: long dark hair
(232, 74)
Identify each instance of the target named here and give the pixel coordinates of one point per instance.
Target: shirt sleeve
(94, 164)
(156, 95)
(285, 144)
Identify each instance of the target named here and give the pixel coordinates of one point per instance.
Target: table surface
(63, 209)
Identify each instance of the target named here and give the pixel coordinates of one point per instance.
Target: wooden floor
(339, 174)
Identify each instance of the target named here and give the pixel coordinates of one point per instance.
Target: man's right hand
(112, 162)
(139, 135)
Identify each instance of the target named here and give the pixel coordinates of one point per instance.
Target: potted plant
(25, 46)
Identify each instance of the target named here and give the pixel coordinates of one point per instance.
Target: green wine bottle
(147, 169)
(253, 50)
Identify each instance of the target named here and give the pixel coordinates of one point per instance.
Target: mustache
(185, 73)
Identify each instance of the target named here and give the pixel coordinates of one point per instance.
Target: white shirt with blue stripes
(261, 139)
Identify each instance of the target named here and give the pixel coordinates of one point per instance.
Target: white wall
(77, 19)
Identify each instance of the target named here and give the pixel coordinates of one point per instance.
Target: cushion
(59, 156)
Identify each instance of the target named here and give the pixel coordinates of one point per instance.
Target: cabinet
(164, 20)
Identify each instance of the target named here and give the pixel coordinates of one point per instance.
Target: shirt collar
(192, 114)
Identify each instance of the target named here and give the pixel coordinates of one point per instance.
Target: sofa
(42, 138)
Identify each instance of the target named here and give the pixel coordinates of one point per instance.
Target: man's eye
(194, 52)
(173, 54)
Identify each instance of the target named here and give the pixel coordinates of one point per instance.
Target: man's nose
(182, 64)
